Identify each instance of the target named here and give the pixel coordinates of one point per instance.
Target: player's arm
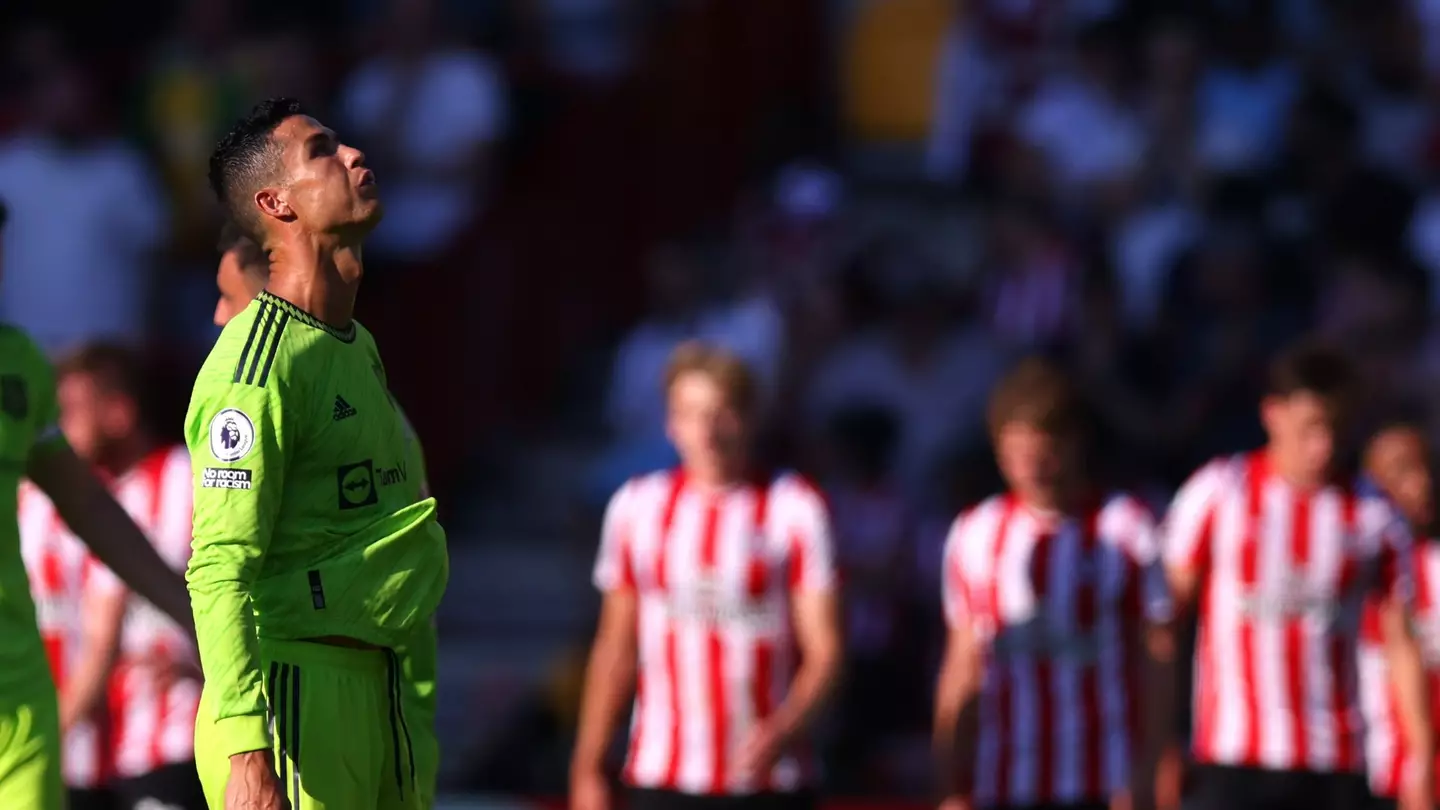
(94, 516)
(1186, 538)
(1150, 617)
(815, 616)
(1406, 664)
(103, 611)
(239, 457)
(610, 674)
(957, 690)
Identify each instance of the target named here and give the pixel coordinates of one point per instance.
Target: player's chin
(369, 213)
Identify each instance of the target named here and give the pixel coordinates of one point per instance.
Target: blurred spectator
(920, 364)
(891, 49)
(591, 41)
(1390, 82)
(679, 311)
(1377, 310)
(1082, 119)
(86, 213)
(1037, 281)
(427, 113)
(1246, 94)
(189, 96)
(873, 534)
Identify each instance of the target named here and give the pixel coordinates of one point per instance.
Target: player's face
(1400, 462)
(237, 287)
(1303, 426)
(91, 416)
(327, 187)
(709, 432)
(1033, 462)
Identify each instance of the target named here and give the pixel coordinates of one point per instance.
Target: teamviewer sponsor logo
(224, 478)
(356, 483)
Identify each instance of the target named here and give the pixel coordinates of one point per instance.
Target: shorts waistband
(328, 655)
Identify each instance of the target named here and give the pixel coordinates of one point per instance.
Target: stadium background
(880, 203)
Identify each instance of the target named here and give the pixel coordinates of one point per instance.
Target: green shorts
(342, 741)
(30, 774)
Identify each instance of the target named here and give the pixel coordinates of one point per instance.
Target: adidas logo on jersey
(342, 409)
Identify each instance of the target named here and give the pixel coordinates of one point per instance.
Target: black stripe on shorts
(295, 736)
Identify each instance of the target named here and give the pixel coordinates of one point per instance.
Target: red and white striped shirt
(63, 574)
(1386, 758)
(1057, 604)
(1283, 576)
(154, 709)
(714, 572)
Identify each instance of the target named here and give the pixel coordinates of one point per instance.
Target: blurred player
(315, 553)
(79, 606)
(1280, 550)
(242, 274)
(1399, 460)
(717, 582)
(156, 686)
(31, 445)
(1054, 595)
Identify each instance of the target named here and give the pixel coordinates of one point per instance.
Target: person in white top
(1279, 550)
(1056, 686)
(719, 614)
(154, 689)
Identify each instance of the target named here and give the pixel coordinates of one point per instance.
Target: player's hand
(253, 784)
(760, 749)
(1170, 779)
(589, 790)
(1418, 792)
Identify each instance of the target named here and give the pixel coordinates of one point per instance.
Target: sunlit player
(240, 276)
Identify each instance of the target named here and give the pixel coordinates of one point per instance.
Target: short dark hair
(252, 256)
(1039, 393)
(1312, 367)
(246, 159)
(114, 366)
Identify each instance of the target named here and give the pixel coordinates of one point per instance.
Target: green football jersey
(28, 419)
(309, 519)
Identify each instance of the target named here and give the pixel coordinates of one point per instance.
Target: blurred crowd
(879, 203)
(1160, 196)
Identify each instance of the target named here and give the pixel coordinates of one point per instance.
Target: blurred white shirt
(1086, 136)
(753, 328)
(939, 405)
(456, 104)
(79, 245)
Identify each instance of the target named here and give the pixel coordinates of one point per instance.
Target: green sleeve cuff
(245, 732)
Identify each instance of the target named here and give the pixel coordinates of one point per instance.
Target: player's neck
(1292, 471)
(322, 280)
(1059, 503)
(716, 477)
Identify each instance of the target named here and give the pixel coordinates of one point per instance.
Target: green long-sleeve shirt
(28, 421)
(309, 519)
